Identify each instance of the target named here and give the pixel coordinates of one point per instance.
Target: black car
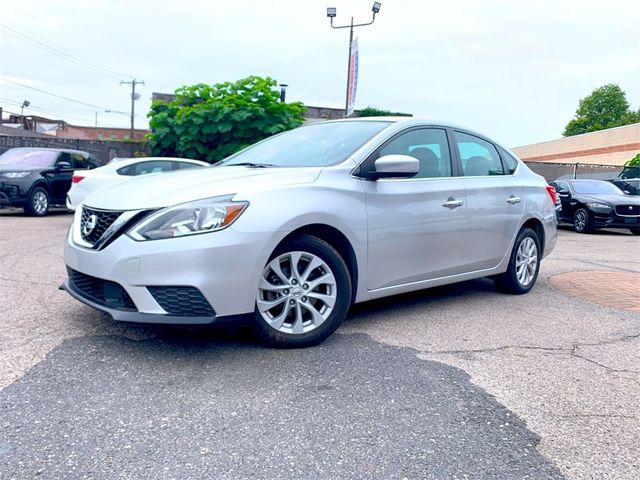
(591, 204)
(35, 178)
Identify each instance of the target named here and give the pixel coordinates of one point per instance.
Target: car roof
(120, 161)
(418, 121)
(46, 149)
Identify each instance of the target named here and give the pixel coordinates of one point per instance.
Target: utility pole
(133, 84)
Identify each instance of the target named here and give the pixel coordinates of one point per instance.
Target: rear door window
(479, 158)
(144, 168)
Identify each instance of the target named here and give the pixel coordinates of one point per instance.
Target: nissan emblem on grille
(94, 223)
(89, 225)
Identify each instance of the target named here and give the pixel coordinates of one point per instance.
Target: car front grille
(104, 292)
(628, 210)
(93, 223)
(182, 301)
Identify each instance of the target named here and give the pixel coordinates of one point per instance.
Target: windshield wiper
(250, 164)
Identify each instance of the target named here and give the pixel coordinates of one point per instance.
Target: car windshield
(28, 158)
(318, 145)
(596, 187)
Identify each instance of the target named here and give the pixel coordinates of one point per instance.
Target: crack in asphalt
(573, 351)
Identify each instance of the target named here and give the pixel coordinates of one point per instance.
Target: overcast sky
(512, 70)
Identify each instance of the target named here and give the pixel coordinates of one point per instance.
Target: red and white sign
(353, 77)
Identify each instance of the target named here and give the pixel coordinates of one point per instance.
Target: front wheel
(37, 203)
(581, 221)
(524, 264)
(303, 295)
(635, 230)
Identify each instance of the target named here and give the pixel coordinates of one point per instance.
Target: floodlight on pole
(331, 13)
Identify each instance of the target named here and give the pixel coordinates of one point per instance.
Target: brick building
(613, 146)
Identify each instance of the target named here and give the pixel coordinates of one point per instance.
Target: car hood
(18, 168)
(612, 199)
(168, 189)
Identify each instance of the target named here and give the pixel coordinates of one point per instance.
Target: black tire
(37, 203)
(508, 281)
(635, 230)
(343, 290)
(582, 221)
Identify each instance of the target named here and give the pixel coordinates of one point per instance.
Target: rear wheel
(38, 203)
(581, 221)
(524, 264)
(304, 294)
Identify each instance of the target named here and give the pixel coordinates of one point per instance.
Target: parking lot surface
(452, 382)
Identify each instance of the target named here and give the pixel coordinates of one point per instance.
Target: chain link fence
(553, 171)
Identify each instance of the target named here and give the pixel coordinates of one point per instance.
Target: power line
(4, 79)
(61, 53)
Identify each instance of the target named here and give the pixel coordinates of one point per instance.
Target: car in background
(593, 204)
(36, 178)
(86, 182)
(291, 231)
(630, 186)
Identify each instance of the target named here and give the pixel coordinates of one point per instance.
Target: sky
(512, 70)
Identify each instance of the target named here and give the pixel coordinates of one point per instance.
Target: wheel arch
(536, 225)
(337, 240)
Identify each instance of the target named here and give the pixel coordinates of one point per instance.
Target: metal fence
(552, 171)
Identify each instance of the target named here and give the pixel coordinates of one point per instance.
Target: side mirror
(395, 166)
(563, 192)
(63, 166)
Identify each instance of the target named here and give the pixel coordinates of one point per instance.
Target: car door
(566, 204)
(416, 226)
(495, 202)
(60, 178)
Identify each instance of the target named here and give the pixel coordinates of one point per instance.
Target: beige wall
(613, 146)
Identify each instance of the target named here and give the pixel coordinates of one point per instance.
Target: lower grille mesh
(101, 291)
(182, 301)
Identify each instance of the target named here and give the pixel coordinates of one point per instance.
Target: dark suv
(35, 178)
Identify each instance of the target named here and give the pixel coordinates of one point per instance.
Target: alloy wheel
(526, 261)
(297, 292)
(581, 220)
(40, 202)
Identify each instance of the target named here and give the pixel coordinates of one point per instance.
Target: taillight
(552, 193)
(77, 178)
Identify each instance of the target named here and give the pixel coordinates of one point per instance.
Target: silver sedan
(293, 230)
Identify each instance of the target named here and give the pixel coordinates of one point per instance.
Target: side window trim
(366, 163)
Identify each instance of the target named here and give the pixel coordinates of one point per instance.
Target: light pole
(24, 105)
(331, 13)
(283, 91)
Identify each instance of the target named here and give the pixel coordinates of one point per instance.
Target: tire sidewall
(320, 248)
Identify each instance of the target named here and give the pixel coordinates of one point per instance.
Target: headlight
(599, 205)
(201, 216)
(14, 174)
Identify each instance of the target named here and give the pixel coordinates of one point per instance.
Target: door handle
(513, 200)
(452, 203)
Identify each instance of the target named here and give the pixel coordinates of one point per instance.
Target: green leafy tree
(377, 112)
(211, 122)
(606, 107)
(631, 168)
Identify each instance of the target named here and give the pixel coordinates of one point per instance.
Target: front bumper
(612, 220)
(223, 266)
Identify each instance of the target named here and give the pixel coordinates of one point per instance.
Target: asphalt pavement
(454, 382)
